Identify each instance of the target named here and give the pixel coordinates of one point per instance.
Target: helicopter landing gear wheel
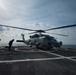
(37, 46)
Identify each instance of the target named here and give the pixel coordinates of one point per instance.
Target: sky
(37, 14)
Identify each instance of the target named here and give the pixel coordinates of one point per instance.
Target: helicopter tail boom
(19, 41)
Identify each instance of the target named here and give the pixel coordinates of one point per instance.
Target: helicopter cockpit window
(34, 36)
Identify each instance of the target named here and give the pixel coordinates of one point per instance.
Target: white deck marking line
(50, 53)
(28, 51)
(58, 55)
(72, 56)
(25, 60)
(41, 59)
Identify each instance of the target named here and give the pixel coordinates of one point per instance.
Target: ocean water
(69, 46)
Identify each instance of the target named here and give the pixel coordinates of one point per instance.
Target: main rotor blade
(61, 27)
(38, 31)
(32, 32)
(17, 27)
(60, 34)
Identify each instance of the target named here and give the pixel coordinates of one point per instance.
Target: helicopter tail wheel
(60, 43)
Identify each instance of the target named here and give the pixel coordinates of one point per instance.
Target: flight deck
(26, 61)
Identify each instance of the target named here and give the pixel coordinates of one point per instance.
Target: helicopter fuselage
(43, 42)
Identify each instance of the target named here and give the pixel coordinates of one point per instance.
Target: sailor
(10, 43)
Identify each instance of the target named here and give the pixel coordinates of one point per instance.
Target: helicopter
(39, 40)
